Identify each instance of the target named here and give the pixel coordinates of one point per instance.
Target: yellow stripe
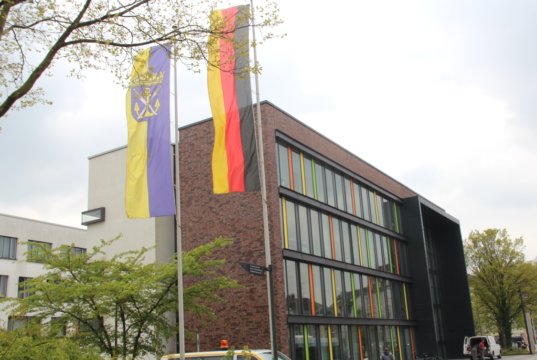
(285, 233)
(399, 342)
(216, 98)
(136, 191)
(303, 174)
(406, 304)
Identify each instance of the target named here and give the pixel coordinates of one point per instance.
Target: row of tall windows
(350, 342)
(314, 232)
(35, 252)
(315, 290)
(303, 174)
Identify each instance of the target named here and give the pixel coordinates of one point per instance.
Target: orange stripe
(290, 161)
(371, 305)
(360, 342)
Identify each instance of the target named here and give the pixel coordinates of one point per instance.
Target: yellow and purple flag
(149, 184)
(234, 159)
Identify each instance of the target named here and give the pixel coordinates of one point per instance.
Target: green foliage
(31, 343)
(119, 305)
(100, 34)
(499, 279)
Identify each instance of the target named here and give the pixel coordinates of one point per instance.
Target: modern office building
(20, 238)
(360, 261)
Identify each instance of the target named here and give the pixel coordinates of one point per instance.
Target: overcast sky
(440, 95)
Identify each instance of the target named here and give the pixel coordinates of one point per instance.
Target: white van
(228, 355)
(470, 347)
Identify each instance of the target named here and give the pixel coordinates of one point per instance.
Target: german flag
(234, 160)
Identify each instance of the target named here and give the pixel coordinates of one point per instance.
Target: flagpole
(180, 306)
(266, 237)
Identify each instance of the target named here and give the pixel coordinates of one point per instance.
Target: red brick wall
(243, 318)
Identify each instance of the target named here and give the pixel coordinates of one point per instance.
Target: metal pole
(180, 305)
(259, 141)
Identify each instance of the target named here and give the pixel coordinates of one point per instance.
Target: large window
(24, 287)
(357, 342)
(303, 174)
(317, 233)
(37, 250)
(8, 247)
(3, 286)
(315, 290)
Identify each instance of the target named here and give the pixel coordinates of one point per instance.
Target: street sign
(254, 269)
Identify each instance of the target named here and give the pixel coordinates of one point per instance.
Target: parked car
(225, 355)
(470, 347)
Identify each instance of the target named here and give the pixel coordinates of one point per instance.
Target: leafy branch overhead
(100, 34)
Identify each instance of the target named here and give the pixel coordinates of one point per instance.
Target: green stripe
(314, 179)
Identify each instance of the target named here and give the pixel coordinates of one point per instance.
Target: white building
(18, 236)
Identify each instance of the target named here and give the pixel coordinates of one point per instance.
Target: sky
(440, 95)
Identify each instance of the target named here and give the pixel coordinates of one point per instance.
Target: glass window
(3, 286)
(381, 294)
(390, 254)
(371, 249)
(365, 342)
(355, 245)
(367, 296)
(308, 177)
(345, 344)
(364, 248)
(304, 229)
(348, 196)
(292, 289)
(330, 191)
(340, 293)
(319, 183)
(345, 237)
(8, 247)
(348, 299)
(358, 295)
(378, 251)
(389, 299)
(316, 233)
(283, 166)
(300, 343)
(310, 337)
(340, 195)
(292, 241)
(356, 340)
(373, 207)
(328, 291)
(335, 341)
(305, 289)
(365, 203)
(24, 287)
(357, 201)
(380, 208)
(389, 218)
(336, 238)
(325, 342)
(327, 241)
(297, 172)
(37, 250)
(318, 290)
(14, 323)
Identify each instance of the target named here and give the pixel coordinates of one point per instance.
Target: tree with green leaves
(119, 305)
(499, 279)
(100, 34)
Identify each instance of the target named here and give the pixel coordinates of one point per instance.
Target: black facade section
(440, 289)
